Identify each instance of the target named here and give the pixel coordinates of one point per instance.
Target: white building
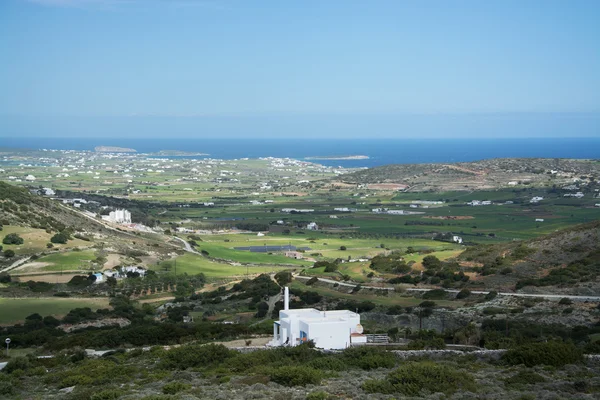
(396, 212)
(119, 216)
(30, 178)
(312, 226)
(539, 220)
(327, 329)
(457, 239)
(579, 195)
(536, 199)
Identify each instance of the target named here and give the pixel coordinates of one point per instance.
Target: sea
(379, 151)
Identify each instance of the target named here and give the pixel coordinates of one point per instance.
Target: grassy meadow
(15, 310)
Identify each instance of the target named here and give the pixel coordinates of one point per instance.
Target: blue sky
(300, 68)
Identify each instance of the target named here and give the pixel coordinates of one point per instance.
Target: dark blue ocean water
(380, 151)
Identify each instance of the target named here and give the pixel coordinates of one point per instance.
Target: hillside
(478, 175)
(37, 219)
(569, 258)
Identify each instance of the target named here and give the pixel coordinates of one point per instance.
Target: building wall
(328, 335)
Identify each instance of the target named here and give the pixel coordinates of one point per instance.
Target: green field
(326, 246)
(71, 261)
(15, 310)
(192, 264)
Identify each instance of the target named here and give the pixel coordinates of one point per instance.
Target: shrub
(412, 377)
(283, 277)
(175, 387)
(343, 248)
(565, 301)
(12, 238)
(312, 280)
(552, 353)
(18, 363)
(368, 358)
(296, 376)
(4, 277)
(9, 253)
(195, 356)
(524, 378)
(328, 364)
(317, 396)
(60, 238)
(463, 294)
(491, 295)
(435, 294)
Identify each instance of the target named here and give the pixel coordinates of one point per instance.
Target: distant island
(112, 149)
(358, 157)
(178, 153)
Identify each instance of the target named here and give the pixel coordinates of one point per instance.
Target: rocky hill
(484, 174)
(566, 259)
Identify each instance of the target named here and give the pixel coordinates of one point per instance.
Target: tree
(431, 262)
(342, 247)
(9, 253)
(283, 277)
(4, 277)
(12, 238)
(463, 294)
(60, 238)
(424, 310)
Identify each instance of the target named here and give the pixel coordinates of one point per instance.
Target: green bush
(175, 387)
(195, 356)
(59, 238)
(12, 238)
(368, 358)
(412, 377)
(9, 253)
(463, 294)
(491, 295)
(556, 354)
(565, 301)
(328, 364)
(317, 396)
(18, 363)
(296, 376)
(435, 294)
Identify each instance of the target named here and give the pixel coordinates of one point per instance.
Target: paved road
(545, 296)
(188, 247)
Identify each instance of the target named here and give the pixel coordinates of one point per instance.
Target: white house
(457, 239)
(312, 226)
(539, 220)
(30, 178)
(536, 199)
(327, 329)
